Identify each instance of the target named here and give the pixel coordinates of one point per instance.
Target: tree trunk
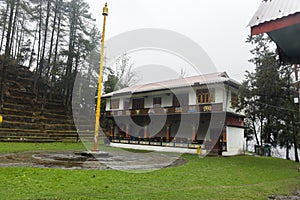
(36, 75)
(261, 131)
(267, 130)
(14, 26)
(32, 50)
(8, 34)
(68, 73)
(295, 132)
(73, 77)
(7, 52)
(4, 25)
(287, 150)
(56, 46)
(15, 50)
(52, 38)
(20, 44)
(255, 133)
(45, 39)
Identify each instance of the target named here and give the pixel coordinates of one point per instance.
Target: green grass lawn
(240, 177)
(8, 147)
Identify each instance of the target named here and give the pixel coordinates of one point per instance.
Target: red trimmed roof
(275, 14)
(218, 77)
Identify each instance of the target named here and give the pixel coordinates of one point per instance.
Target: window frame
(114, 104)
(157, 102)
(138, 105)
(205, 96)
(234, 99)
(182, 100)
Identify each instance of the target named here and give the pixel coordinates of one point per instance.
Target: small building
(184, 113)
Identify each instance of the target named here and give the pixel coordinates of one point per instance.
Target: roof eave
(230, 82)
(275, 24)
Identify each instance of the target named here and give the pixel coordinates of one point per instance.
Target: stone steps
(20, 100)
(27, 119)
(13, 111)
(20, 107)
(18, 124)
(19, 118)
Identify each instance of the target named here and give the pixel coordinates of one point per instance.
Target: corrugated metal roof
(274, 9)
(218, 77)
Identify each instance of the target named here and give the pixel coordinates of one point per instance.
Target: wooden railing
(158, 141)
(201, 108)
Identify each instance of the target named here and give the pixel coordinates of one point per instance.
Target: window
(138, 103)
(126, 104)
(205, 96)
(180, 100)
(157, 102)
(234, 99)
(114, 103)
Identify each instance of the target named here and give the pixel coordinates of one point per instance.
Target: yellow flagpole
(105, 13)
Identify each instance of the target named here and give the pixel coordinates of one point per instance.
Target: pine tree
(265, 100)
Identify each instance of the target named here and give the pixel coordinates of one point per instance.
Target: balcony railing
(201, 108)
(159, 141)
(173, 142)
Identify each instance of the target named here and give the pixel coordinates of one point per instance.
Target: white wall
(192, 98)
(148, 101)
(166, 100)
(220, 96)
(229, 103)
(107, 104)
(121, 103)
(235, 141)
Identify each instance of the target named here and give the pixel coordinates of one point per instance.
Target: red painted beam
(276, 24)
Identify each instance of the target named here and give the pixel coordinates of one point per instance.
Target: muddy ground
(119, 160)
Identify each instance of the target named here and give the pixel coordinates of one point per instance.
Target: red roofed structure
(280, 19)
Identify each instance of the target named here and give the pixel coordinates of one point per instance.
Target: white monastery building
(180, 113)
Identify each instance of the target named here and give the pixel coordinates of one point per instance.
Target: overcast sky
(218, 26)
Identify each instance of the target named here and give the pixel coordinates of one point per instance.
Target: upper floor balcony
(171, 110)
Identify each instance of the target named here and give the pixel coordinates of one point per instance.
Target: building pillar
(127, 131)
(194, 134)
(224, 139)
(145, 131)
(220, 145)
(112, 131)
(168, 133)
